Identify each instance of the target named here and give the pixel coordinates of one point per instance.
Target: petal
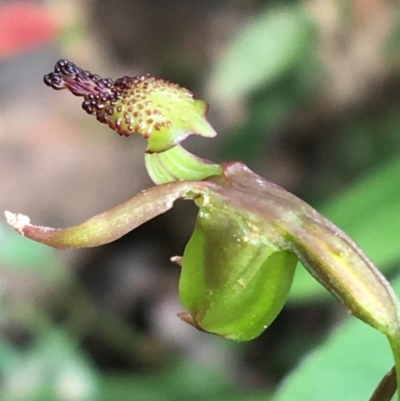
(113, 223)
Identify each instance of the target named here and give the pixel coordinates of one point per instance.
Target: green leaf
(263, 51)
(347, 367)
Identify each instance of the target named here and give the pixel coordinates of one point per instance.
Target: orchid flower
(238, 266)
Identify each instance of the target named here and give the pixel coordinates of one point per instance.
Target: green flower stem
(178, 164)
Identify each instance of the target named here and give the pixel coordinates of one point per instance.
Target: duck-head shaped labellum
(162, 111)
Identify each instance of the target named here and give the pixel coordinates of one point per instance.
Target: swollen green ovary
(232, 284)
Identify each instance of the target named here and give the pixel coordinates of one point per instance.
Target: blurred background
(306, 92)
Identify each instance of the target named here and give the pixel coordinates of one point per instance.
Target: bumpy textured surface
(140, 104)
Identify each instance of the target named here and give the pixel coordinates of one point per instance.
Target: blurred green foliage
(272, 69)
(275, 42)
